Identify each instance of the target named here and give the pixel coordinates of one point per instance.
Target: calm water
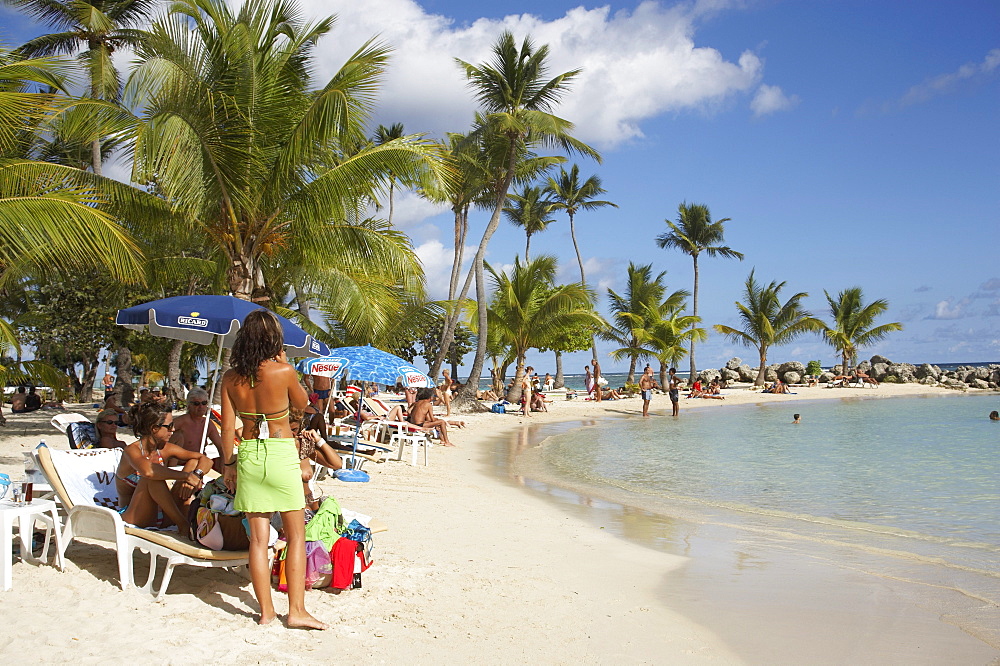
(911, 487)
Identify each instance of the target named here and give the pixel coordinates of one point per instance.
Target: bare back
(275, 391)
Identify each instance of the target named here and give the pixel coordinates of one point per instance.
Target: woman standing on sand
(260, 389)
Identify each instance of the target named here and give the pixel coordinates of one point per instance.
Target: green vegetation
(853, 324)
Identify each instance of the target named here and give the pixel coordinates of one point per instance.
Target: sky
(851, 143)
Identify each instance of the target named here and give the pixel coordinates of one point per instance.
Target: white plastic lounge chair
(61, 421)
(84, 482)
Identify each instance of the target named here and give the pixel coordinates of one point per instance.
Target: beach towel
(89, 475)
(327, 524)
(343, 555)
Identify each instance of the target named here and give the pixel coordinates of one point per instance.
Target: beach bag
(214, 521)
(498, 408)
(348, 563)
(361, 534)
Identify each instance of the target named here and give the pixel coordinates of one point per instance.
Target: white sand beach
(476, 568)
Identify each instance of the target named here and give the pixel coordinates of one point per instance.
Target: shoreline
(472, 568)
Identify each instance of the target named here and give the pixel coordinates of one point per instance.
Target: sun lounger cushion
(89, 476)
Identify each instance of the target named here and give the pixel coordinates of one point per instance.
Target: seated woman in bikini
(311, 447)
(144, 499)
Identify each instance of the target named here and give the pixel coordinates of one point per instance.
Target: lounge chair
(84, 483)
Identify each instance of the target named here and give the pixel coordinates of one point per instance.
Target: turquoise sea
(905, 489)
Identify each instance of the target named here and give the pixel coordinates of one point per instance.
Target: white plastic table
(40, 509)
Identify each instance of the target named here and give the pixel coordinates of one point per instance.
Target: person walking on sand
(588, 380)
(675, 392)
(260, 389)
(526, 391)
(646, 385)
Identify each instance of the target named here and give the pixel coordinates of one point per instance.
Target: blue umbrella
(207, 319)
(366, 364)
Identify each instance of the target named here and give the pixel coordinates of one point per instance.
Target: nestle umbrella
(207, 319)
(365, 364)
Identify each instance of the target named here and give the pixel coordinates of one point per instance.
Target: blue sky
(852, 144)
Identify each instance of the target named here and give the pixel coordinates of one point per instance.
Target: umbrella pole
(357, 418)
(211, 397)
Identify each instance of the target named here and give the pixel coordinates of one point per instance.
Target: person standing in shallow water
(260, 389)
(646, 385)
(675, 392)
(597, 380)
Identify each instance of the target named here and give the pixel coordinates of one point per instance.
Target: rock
(954, 383)
(747, 374)
(730, 375)
(826, 377)
(995, 376)
(982, 372)
(879, 371)
(880, 359)
(708, 375)
(837, 369)
(791, 377)
(928, 381)
(927, 370)
(791, 366)
(770, 374)
(734, 363)
(864, 367)
(979, 384)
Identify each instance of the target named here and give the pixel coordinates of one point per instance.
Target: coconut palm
(54, 217)
(94, 29)
(384, 135)
(530, 211)
(854, 324)
(527, 309)
(516, 98)
(767, 322)
(694, 233)
(671, 336)
(271, 169)
(637, 312)
(569, 194)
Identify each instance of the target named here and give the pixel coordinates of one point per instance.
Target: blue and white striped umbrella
(365, 364)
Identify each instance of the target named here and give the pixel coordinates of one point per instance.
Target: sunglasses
(168, 426)
(198, 403)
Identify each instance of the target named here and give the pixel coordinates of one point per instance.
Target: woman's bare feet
(266, 619)
(304, 621)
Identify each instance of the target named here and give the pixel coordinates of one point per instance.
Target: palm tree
(516, 98)
(530, 211)
(671, 336)
(99, 28)
(853, 324)
(54, 217)
(384, 135)
(694, 233)
(527, 309)
(569, 194)
(274, 172)
(635, 313)
(767, 322)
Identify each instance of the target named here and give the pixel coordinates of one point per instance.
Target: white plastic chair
(61, 421)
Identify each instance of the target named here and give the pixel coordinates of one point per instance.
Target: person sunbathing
(696, 390)
(610, 394)
(538, 403)
(144, 499)
(422, 415)
(107, 430)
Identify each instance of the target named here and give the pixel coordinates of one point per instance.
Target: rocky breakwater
(986, 377)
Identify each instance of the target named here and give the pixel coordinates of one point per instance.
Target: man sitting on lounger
(422, 415)
(188, 428)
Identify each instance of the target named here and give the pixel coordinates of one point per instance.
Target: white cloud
(944, 83)
(437, 260)
(410, 209)
(770, 99)
(946, 310)
(637, 64)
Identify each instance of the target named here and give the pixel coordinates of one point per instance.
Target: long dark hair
(145, 416)
(259, 338)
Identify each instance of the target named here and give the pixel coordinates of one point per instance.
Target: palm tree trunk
(95, 145)
(631, 369)
(583, 277)
(123, 376)
(559, 381)
(392, 182)
(174, 370)
(527, 247)
(514, 394)
(451, 318)
(241, 277)
(693, 369)
(467, 394)
(763, 369)
(663, 375)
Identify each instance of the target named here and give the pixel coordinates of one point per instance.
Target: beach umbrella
(366, 364)
(207, 319)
